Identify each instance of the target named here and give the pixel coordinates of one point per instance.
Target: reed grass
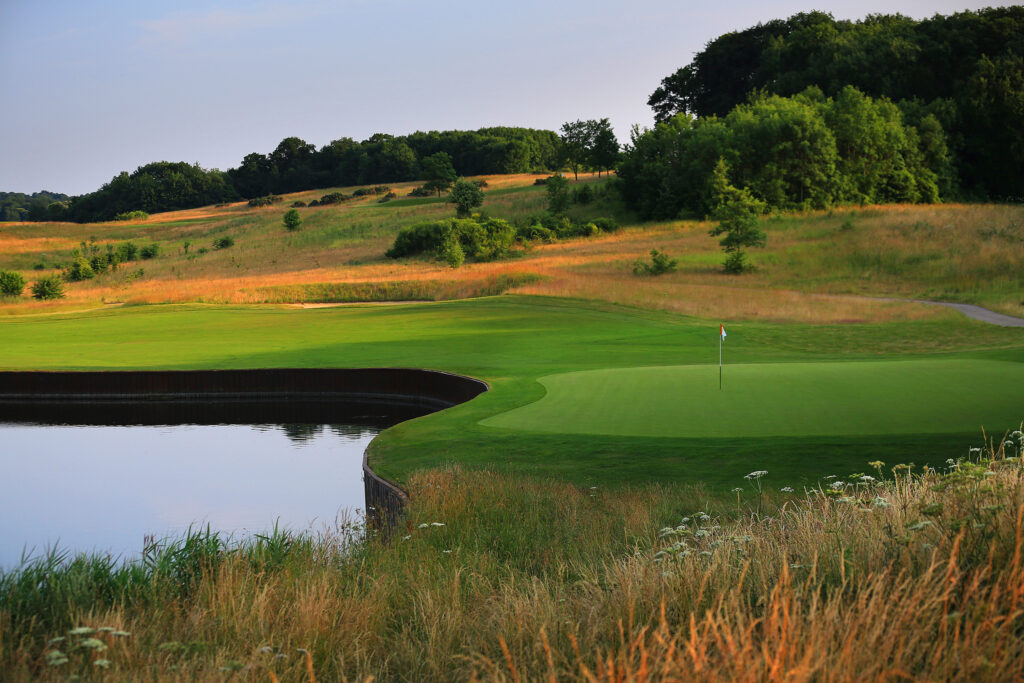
(890, 573)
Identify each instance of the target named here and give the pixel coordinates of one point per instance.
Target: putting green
(779, 399)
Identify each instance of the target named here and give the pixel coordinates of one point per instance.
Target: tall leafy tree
(604, 147)
(438, 172)
(737, 212)
(577, 140)
(466, 196)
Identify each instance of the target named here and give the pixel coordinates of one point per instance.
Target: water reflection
(104, 476)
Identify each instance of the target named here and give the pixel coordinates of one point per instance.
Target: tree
(292, 219)
(737, 212)
(48, 287)
(466, 196)
(438, 172)
(577, 137)
(558, 194)
(604, 149)
(11, 283)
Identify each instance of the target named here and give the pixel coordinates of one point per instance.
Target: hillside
(817, 267)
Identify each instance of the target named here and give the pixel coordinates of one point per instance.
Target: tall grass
(890, 573)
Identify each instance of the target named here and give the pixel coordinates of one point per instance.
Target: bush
(298, 205)
(387, 198)
(131, 216)
(558, 194)
(11, 284)
(261, 201)
(540, 181)
(535, 232)
(39, 266)
(127, 251)
(382, 189)
(101, 263)
(292, 220)
(466, 196)
(149, 252)
(420, 192)
(223, 242)
(334, 198)
(314, 203)
(78, 270)
(420, 238)
(480, 240)
(482, 184)
(48, 287)
(660, 263)
(606, 224)
(583, 195)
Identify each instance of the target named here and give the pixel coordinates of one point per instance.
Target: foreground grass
(500, 578)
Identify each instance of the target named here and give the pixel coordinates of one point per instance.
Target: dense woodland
(806, 151)
(966, 70)
(17, 206)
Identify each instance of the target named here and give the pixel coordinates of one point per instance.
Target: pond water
(125, 473)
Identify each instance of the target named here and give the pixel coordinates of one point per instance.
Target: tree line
(965, 71)
(17, 206)
(296, 165)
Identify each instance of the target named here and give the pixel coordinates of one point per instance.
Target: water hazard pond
(104, 478)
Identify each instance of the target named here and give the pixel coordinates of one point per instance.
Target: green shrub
(314, 203)
(298, 205)
(382, 189)
(660, 263)
(292, 220)
(420, 192)
(420, 238)
(583, 195)
(259, 202)
(131, 216)
(333, 198)
(535, 232)
(387, 198)
(48, 287)
(557, 188)
(78, 270)
(466, 196)
(11, 283)
(100, 264)
(224, 242)
(149, 252)
(606, 224)
(479, 239)
(127, 251)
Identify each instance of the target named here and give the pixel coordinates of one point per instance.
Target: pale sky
(93, 88)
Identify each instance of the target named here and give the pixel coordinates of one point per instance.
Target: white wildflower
(756, 474)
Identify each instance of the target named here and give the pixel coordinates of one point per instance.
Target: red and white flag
(721, 329)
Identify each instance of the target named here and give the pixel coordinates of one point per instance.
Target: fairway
(779, 399)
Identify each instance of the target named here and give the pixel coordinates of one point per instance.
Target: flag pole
(719, 359)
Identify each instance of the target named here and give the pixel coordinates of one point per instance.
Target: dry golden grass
(819, 267)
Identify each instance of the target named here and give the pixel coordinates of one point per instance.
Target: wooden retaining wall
(378, 396)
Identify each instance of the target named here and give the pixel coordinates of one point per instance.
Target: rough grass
(823, 267)
(907, 575)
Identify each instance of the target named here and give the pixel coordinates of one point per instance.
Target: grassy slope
(512, 341)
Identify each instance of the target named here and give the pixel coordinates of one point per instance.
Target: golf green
(941, 396)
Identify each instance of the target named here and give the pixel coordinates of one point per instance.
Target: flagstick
(719, 360)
